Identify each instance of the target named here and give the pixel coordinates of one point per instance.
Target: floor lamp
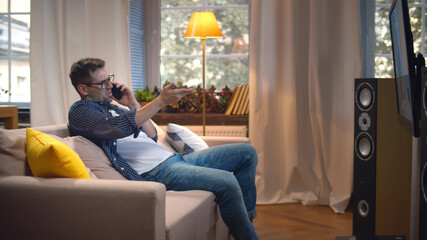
(203, 25)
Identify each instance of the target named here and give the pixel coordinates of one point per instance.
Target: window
(227, 58)
(15, 52)
(383, 50)
(137, 43)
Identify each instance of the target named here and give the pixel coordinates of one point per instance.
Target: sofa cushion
(14, 158)
(94, 158)
(49, 157)
(190, 214)
(183, 140)
(12, 153)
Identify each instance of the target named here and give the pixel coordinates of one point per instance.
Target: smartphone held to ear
(117, 94)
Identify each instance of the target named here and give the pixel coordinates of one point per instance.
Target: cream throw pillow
(183, 140)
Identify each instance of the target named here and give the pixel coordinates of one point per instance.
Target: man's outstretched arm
(169, 95)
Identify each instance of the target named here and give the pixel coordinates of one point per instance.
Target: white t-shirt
(141, 153)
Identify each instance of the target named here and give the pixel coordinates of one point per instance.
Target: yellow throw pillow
(49, 157)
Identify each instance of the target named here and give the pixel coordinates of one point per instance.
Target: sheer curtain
(305, 55)
(63, 31)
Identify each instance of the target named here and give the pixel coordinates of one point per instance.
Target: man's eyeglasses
(103, 83)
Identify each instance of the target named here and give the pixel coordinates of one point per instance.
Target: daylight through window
(383, 49)
(15, 51)
(227, 59)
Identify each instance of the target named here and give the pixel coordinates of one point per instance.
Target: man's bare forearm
(144, 114)
(168, 95)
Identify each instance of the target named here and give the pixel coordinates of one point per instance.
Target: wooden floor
(297, 222)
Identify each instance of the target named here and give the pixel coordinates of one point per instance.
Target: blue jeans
(228, 171)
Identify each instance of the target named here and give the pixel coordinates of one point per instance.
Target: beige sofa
(105, 207)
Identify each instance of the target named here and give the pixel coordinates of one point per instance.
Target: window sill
(197, 119)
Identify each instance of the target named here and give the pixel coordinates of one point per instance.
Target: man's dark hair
(80, 71)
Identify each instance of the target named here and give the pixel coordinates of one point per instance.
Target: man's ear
(82, 89)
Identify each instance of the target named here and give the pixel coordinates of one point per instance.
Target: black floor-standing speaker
(383, 196)
(422, 213)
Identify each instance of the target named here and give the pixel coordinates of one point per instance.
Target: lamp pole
(203, 94)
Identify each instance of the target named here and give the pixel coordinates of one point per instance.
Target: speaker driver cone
(363, 208)
(364, 121)
(365, 96)
(364, 146)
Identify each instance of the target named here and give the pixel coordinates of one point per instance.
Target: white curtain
(305, 55)
(63, 31)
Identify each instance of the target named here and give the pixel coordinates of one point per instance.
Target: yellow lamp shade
(203, 25)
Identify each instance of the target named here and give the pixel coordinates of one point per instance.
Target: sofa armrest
(40, 208)
(215, 141)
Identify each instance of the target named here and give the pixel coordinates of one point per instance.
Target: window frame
(153, 18)
(368, 9)
(11, 57)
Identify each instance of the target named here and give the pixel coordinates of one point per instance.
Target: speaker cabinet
(382, 197)
(422, 231)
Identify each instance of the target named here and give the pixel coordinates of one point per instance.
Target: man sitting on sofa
(129, 140)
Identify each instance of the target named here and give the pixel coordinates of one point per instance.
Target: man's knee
(228, 182)
(249, 153)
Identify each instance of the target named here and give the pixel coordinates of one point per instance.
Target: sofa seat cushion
(190, 214)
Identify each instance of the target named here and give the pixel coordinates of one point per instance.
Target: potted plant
(144, 96)
(216, 102)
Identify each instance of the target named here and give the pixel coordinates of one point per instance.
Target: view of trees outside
(227, 58)
(383, 48)
(15, 51)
